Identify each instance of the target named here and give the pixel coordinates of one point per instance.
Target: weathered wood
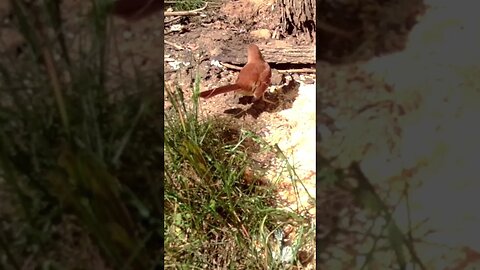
(272, 54)
(297, 16)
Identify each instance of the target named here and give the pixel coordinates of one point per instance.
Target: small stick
(186, 13)
(178, 47)
(172, 20)
(298, 70)
(230, 66)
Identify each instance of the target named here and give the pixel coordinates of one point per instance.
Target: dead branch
(230, 66)
(193, 12)
(176, 46)
(174, 19)
(298, 70)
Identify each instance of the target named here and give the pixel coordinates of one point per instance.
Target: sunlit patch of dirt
(246, 10)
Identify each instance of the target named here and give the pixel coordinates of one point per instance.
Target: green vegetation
(217, 214)
(187, 4)
(78, 139)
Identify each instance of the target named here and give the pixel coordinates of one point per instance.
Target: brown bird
(253, 79)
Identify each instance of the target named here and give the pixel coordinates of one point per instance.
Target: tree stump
(297, 16)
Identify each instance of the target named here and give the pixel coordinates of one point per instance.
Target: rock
(261, 34)
(276, 77)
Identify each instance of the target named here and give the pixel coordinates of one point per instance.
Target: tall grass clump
(219, 214)
(78, 138)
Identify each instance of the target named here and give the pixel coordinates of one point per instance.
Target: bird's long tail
(219, 90)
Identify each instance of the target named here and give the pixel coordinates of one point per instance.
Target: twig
(176, 46)
(230, 66)
(172, 20)
(186, 13)
(298, 70)
(243, 229)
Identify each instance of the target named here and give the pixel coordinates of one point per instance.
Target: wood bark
(297, 16)
(272, 54)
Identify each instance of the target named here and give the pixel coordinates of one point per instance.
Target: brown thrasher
(253, 79)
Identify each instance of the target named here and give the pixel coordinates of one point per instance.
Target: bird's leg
(265, 89)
